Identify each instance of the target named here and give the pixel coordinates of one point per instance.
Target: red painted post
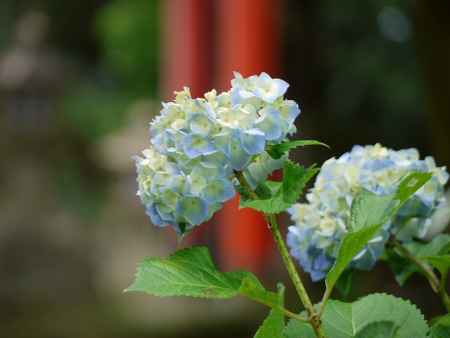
(186, 49)
(247, 42)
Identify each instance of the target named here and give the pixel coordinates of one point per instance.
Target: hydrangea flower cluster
(196, 145)
(321, 222)
(177, 197)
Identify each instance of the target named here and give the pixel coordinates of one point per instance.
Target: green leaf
(277, 151)
(191, 272)
(263, 191)
(400, 266)
(368, 214)
(273, 325)
(372, 314)
(295, 177)
(410, 184)
(243, 192)
(298, 329)
(351, 245)
(252, 289)
(344, 283)
(438, 246)
(274, 186)
(188, 272)
(440, 327)
(369, 209)
(442, 263)
(272, 205)
(383, 329)
(403, 269)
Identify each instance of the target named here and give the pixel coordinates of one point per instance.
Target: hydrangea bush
(370, 204)
(321, 223)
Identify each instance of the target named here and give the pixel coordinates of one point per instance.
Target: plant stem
(288, 313)
(314, 318)
(443, 293)
(423, 266)
(438, 286)
(294, 315)
(293, 274)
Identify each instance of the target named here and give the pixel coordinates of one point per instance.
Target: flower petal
(196, 145)
(253, 141)
(219, 191)
(270, 123)
(193, 209)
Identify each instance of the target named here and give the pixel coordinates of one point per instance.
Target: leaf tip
(132, 288)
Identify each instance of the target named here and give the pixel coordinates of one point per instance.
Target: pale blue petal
(239, 158)
(222, 142)
(216, 159)
(241, 96)
(292, 111)
(317, 275)
(155, 218)
(235, 96)
(270, 123)
(218, 163)
(322, 263)
(378, 164)
(253, 141)
(200, 124)
(195, 145)
(269, 89)
(165, 216)
(280, 86)
(158, 142)
(193, 209)
(219, 191)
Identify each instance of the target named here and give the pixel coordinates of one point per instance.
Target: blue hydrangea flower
(321, 222)
(197, 144)
(239, 129)
(177, 196)
(256, 88)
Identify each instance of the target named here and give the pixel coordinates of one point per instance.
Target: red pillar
(248, 42)
(186, 49)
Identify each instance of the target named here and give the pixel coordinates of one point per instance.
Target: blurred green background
(79, 82)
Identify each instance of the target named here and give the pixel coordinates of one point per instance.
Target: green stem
(288, 313)
(293, 315)
(443, 292)
(324, 301)
(313, 319)
(293, 274)
(423, 266)
(438, 286)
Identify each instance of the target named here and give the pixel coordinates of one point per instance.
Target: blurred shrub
(94, 111)
(126, 69)
(128, 33)
(129, 36)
